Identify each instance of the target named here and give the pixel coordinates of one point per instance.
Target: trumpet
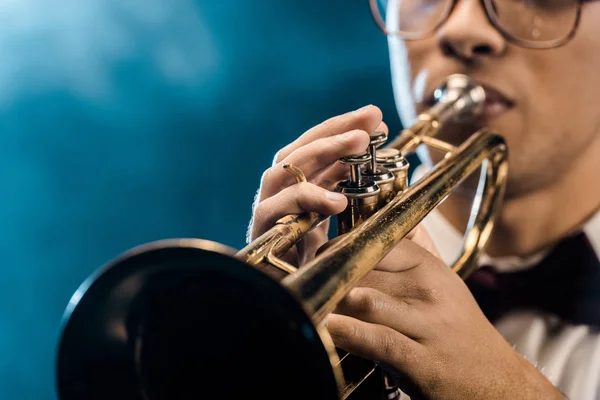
(195, 319)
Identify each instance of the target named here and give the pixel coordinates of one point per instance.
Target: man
(539, 63)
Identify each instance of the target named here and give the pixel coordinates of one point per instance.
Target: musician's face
(550, 110)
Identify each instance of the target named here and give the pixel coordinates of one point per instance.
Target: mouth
(496, 103)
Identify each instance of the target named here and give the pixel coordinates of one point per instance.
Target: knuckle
(337, 330)
(306, 188)
(431, 294)
(267, 175)
(336, 143)
(281, 154)
(258, 221)
(277, 157)
(259, 213)
(363, 300)
(303, 192)
(445, 322)
(309, 197)
(323, 150)
(388, 344)
(355, 334)
(275, 178)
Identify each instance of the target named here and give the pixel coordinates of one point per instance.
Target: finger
(383, 127)
(404, 256)
(296, 199)
(420, 236)
(414, 288)
(308, 246)
(314, 158)
(339, 172)
(407, 255)
(372, 341)
(413, 274)
(367, 119)
(407, 272)
(372, 306)
(332, 175)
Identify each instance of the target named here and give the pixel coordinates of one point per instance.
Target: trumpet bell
(186, 320)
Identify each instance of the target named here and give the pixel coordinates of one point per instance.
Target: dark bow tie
(565, 283)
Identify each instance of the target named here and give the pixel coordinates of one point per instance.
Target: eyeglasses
(536, 24)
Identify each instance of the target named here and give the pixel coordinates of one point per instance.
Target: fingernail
(364, 108)
(334, 196)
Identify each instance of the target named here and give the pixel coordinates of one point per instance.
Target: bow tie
(565, 283)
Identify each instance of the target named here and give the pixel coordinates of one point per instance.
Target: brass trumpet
(188, 318)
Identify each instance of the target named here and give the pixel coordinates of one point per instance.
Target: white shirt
(568, 355)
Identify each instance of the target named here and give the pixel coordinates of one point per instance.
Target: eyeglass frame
(487, 6)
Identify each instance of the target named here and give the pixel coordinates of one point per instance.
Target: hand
(316, 153)
(416, 317)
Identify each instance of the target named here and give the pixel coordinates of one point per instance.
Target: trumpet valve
(378, 138)
(361, 191)
(392, 160)
(355, 162)
(381, 176)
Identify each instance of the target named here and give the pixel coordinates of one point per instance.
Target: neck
(530, 223)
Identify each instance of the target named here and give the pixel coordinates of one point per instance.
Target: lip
(496, 101)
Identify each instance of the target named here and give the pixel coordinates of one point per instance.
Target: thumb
(420, 236)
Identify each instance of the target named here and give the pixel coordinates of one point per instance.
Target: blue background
(123, 122)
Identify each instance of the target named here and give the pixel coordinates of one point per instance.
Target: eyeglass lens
(525, 20)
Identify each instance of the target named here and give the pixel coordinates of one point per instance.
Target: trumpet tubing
(180, 318)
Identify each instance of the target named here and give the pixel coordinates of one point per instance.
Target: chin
(520, 184)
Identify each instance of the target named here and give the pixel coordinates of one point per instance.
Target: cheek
(568, 78)
(560, 114)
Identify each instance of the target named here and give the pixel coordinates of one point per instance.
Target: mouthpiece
(460, 97)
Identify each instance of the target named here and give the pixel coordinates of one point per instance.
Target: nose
(468, 33)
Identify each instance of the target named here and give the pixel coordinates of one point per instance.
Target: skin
(412, 313)
(553, 142)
